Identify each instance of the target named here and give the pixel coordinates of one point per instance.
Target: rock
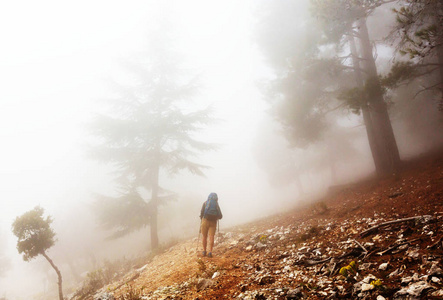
(215, 274)
(367, 287)
(394, 273)
(249, 248)
(104, 296)
(364, 266)
(260, 245)
(369, 278)
(435, 270)
(266, 280)
(438, 293)
(383, 266)
(435, 279)
(294, 294)
(204, 283)
(380, 297)
(409, 279)
(413, 290)
(413, 253)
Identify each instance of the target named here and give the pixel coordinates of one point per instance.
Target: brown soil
(339, 217)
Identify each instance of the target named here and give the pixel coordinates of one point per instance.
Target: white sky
(55, 57)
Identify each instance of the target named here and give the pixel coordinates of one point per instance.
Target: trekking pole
(198, 239)
(218, 234)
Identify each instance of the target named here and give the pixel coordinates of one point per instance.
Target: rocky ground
(378, 239)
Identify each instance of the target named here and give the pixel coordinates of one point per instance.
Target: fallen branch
(437, 243)
(396, 246)
(375, 228)
(361, 246)
(311, 262)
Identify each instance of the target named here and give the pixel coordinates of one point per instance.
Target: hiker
(209, 215)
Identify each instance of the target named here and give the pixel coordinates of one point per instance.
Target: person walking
(209, 215)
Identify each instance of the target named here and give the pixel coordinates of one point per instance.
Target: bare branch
(375, 228)
(426, 89)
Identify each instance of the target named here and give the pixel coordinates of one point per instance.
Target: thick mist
(61, 65)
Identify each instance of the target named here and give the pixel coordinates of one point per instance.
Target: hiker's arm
(202, 211)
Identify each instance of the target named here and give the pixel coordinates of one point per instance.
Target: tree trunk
(375, 148)
(440, 62)
(59, 275)
(439, 46)
(440, 67)
(154, 209)
(384, 134)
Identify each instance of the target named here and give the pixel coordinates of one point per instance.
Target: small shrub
(320, 208)
(263, 239)
(312, 232)
(205, 271)
(378, 284)
(201, 265)
(349, 270)
(132, 294)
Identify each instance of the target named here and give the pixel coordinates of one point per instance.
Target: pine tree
(149, 134)
(419, 34)
(35, 237)
(344, 22)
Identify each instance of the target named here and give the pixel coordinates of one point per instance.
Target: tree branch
(375, 228)
(426, 89)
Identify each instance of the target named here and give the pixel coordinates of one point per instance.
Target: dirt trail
(271, 258)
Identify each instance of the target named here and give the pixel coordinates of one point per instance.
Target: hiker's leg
(205, 242)
(211, 230)
(211, 243)
(204, 230)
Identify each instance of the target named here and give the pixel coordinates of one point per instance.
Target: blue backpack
(211, 208)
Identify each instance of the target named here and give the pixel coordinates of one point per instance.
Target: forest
(312, 120)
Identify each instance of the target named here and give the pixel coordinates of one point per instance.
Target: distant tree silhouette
(35, 237)
(149, 133)
(419, 34)
(319, 76)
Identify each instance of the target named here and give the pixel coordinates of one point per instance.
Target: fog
(59, 62)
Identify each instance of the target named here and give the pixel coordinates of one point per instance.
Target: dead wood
(396, 246)
(375, 228)
(439, 242)
(361, 246)
(312, 262)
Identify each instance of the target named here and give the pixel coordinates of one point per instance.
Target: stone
(204, 283)
(367, 287)
(435, 279)
(294, 294)
(104, 296)
(415, 289)
(266, 280)
(369, 278)
(394, 273)
(435, 270)
(383, 266)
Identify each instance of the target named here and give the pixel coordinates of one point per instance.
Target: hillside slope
(321, 251)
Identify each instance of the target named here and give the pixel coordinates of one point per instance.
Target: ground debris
(374, 242)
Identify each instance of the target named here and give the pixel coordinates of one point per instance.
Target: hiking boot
(204, 253)
(210, 254)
